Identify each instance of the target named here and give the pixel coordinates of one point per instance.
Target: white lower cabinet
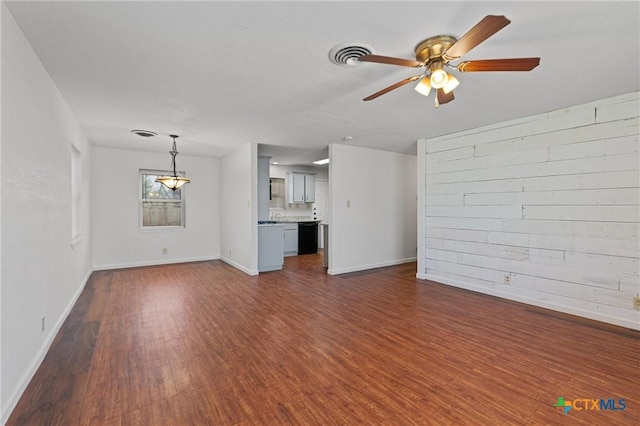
(291, 239)
(270, 247)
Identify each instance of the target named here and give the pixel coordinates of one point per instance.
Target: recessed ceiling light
(323, 161)
(144, 133)
(275, 162)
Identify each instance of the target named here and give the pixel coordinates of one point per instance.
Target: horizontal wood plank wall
(543, 210)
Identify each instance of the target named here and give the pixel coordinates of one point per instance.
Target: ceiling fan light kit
(435, 53)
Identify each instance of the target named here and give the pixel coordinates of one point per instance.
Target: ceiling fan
(436, 53)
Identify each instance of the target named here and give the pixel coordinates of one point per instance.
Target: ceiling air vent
(347, 54)
(144, 133)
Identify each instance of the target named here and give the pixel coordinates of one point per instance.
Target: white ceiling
(220, 74)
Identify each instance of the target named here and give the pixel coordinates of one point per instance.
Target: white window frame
(141, 226)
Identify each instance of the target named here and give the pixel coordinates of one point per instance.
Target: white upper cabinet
(309, 188)
(297, 188)
(301, 188)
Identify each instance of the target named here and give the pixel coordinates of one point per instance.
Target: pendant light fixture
(173, 181)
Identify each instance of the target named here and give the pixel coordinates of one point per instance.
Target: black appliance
(307, 237)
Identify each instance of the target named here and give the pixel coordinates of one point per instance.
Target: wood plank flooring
(202, 343)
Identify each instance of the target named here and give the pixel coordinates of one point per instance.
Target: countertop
(281, 221)
(270, 224)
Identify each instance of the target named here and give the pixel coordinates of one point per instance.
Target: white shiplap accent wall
(550, 200)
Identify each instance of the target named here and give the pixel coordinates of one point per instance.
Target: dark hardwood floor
(202, 343)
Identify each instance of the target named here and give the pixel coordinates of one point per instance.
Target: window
(76, 193)
(160, 207)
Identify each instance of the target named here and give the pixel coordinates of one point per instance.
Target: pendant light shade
(452, 83)
(439, 77)
(424, 86)
(173, 181)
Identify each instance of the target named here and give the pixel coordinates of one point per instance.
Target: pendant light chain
(174, 152)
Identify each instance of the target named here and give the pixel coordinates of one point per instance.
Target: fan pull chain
(436, 104)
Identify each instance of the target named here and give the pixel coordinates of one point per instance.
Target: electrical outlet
(42, 323)
(164, 251)
(636, 303)
(507, 278)
(348, 203)
(229, 252)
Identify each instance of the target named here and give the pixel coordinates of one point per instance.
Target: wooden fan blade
(391, 61)
(392, 87)
(444, 98)
(488, 26)
(513, 64)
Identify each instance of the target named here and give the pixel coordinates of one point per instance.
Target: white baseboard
(37, 361)
(370, 266)
(609, 319)
(153, 263)
(240, 267)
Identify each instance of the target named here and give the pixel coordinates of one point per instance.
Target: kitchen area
(292, 212)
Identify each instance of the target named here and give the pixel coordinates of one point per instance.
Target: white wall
(551, 200)
(379, 227)
(118, 241)
(263, 188)
(280, 171)
(239, 212)
(41, 273)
